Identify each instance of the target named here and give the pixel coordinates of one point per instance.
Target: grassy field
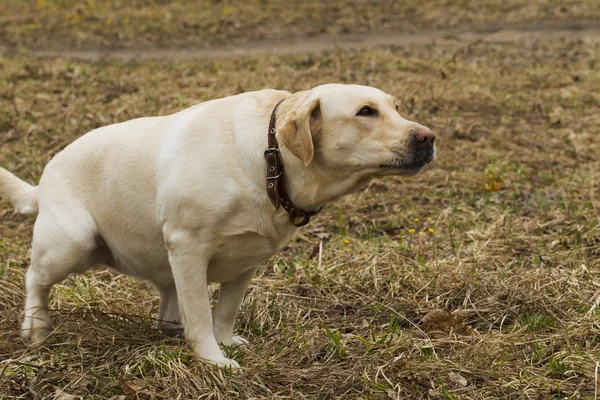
(477, 279)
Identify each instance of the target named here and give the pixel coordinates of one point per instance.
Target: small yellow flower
(421, 233)
(428, 219)
(364, 256)
(416, 219)
(431, 230)
(346, 242)
(411, 231)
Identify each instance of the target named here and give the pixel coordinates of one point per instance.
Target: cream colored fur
(180, 200)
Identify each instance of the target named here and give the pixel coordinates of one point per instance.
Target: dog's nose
(424, 136)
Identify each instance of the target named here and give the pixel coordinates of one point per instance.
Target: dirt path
(507, 33)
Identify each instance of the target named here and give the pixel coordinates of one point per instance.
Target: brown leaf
(458, 379)
(62, 395)
(131, 385)
(81, 383)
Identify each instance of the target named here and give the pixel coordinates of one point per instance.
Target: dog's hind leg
(169, 318)
(62, 244)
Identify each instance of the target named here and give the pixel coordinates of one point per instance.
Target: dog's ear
(301, 120)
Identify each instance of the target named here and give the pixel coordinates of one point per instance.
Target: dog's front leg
(231, 295)
(189, 261)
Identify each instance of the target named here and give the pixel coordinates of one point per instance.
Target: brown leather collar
(275, 178)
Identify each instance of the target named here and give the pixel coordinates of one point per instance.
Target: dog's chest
(241, 252)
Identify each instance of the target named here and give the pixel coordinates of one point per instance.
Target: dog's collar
(275, 179)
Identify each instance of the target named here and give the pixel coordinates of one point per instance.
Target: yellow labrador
(183, 200)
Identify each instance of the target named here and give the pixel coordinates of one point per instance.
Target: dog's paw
(36, 328)
(174, 332)
(35, 335)
(238, 341)
(224, 363)
(234, 341)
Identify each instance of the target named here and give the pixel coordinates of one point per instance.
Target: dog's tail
(20, 194)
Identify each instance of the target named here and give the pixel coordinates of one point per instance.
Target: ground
(477, 279)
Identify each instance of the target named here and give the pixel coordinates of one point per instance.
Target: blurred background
(129, 24)
(476, 279)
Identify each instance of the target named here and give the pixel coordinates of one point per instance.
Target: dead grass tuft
(438, 323)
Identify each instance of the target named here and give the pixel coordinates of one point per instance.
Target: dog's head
(353, 129)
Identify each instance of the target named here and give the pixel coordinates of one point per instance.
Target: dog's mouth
(411, 167)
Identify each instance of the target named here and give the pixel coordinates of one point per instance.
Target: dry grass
(60, 24)
(498, 302)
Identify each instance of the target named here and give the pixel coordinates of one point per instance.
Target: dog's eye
(367, 111)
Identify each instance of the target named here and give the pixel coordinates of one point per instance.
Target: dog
(202, 196)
